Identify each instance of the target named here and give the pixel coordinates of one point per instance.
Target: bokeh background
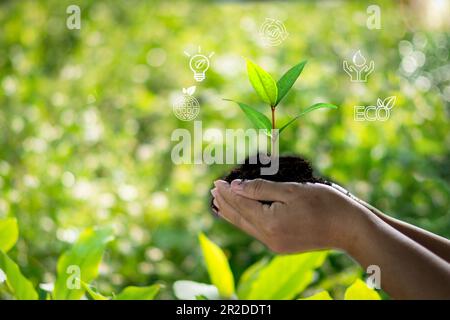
(86, 119)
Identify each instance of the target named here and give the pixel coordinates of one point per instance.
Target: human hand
(301, 217)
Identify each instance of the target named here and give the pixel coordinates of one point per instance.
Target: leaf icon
(190, 91)
(389, 102)
(379, 103)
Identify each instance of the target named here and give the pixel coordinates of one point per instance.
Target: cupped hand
(300, 217)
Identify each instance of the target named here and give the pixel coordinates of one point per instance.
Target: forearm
(436, 244)
(408, 270)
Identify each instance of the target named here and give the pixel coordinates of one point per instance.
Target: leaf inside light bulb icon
(199, 63)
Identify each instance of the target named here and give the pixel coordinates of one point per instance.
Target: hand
(301, 216)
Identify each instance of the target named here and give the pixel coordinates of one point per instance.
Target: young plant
(272, 93)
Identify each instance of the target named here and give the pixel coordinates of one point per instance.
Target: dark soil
(291, 169)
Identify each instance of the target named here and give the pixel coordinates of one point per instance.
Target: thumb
(259, 189)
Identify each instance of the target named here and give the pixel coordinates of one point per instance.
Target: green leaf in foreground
(360, 291)
(285, 276)
(288, 79)
(217, 266)
(259, 120)
(85, 254)
(323, 295)
(307, 110)
(9, 233)
(20, 287)
(263, 83)
(138, 293)
(94, 295)
(249, 275)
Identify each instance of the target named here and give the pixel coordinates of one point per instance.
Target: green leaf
(20, 287)
(285, 276)
(307, 110)
(190, 290)
(288, 79)
(85, 254)
(259, 120)
(249, 275)
(217, 266)
(9, 233)
(323, 295)
(360, 291)
(138, 293)
(263, 83)
(94, 295)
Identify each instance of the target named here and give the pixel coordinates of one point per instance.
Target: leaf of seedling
(259, 120)
(263, 83)
(307, 110)
(288, 79)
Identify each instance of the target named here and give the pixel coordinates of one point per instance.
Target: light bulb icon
(199, 64)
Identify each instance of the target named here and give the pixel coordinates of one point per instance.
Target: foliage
(85, 254)
(282, 278)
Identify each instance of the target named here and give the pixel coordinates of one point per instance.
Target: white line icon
(359, 70)
(273, 32)
(380, 112)
(199, 64)
(186, 107)
(374, 18)
(73, 21)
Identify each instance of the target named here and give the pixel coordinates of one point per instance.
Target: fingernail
(214, 192)
(237, 185)
(215, 212)
(216, 204)
(220, 183)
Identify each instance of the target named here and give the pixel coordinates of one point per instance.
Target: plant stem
(272, 140)
(273, 117)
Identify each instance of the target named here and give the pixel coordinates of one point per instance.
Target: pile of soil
(291, 169)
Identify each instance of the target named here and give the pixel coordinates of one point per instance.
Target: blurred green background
(86, 119)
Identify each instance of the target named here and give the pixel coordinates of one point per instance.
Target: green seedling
(272, 93)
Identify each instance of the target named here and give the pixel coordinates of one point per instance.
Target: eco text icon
(186, 107)
(199, 64)
(73, 21)
(359, 70)
(380, 112)
(273, 32)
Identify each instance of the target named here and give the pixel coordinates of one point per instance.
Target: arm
(436, 244)
(306, 217)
